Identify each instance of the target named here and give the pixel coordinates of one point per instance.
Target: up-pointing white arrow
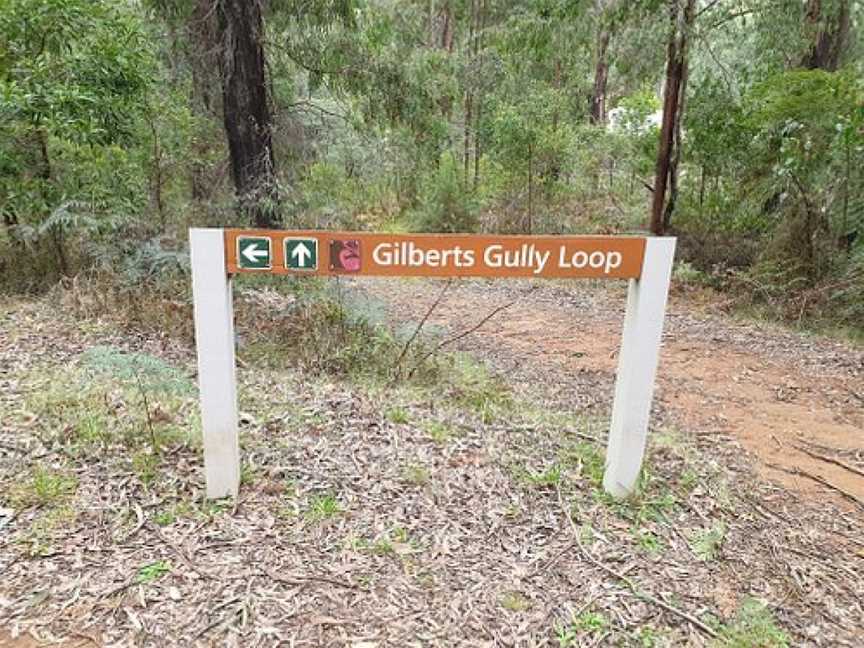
(252, 254)
(301, 253)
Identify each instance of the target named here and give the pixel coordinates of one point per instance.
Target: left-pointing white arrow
(254, 255)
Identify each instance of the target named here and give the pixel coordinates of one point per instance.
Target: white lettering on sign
(527, 256)
(408, 254)
(579, 259)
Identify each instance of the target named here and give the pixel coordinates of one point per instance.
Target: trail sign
(442, 255)
(301, 253)
(253, 252)
(218, 254)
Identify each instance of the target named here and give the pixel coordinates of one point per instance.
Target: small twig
(146, 407)
(461, 335)
(546, 566)
(820, 480)
(856, 395)
(305, 580)
(832, 460)
(419, 328)
(634, 590)
(139, 515)
(183, 557)
(219, 620)
(12, 448)
(122, 587)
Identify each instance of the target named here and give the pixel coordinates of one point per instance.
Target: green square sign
(254, 252)
(301, 253)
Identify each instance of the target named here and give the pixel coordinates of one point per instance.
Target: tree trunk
(156, 175)
(478, 147)
(830, 33)
(676, 57)
(469, 97)
(601, 77)
(56, 231)
(246, 111)
(675, 160)
(530, 187)
(478, 44)
(203, 61)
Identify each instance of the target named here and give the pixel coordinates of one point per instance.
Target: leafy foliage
(456, 116)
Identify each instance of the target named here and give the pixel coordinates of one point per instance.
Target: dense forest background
(737, 125)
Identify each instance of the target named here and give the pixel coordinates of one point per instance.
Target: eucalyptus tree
(74, 82)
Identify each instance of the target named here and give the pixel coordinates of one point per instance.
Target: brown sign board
(316, 252)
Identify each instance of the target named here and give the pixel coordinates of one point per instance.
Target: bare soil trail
(795, 403)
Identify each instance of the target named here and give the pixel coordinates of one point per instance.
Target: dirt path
(795, 403)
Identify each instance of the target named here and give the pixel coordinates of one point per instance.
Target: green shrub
(445, 203)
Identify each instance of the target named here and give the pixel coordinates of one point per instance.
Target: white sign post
(214, 335)
(637, 367)
(217, 382)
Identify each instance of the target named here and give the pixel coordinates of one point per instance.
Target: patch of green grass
(587, 622)
(547, 478)
(586, 459)
(473, 387)
(145, 463)
(265, 354)
(439, 431)
(211, 509)
(114, 398)
(40, 537)
(42, 487)
(165, 517)
(395, 541)
(647, 637)
(707, 543)
(92, 429)
(648, 540)
(415, 474)
(152, 571)
(688, 480)
(169, 514)
(397, 415)
(248, 474)
(322, 507)
(587, 534)
(651, 500)
(753, 626)
(515, 601)
(667, 438)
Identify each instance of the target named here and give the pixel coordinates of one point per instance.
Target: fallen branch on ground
(634, 590)
(820, 480)
(419, 328)
(461, 335)
(832, 460)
